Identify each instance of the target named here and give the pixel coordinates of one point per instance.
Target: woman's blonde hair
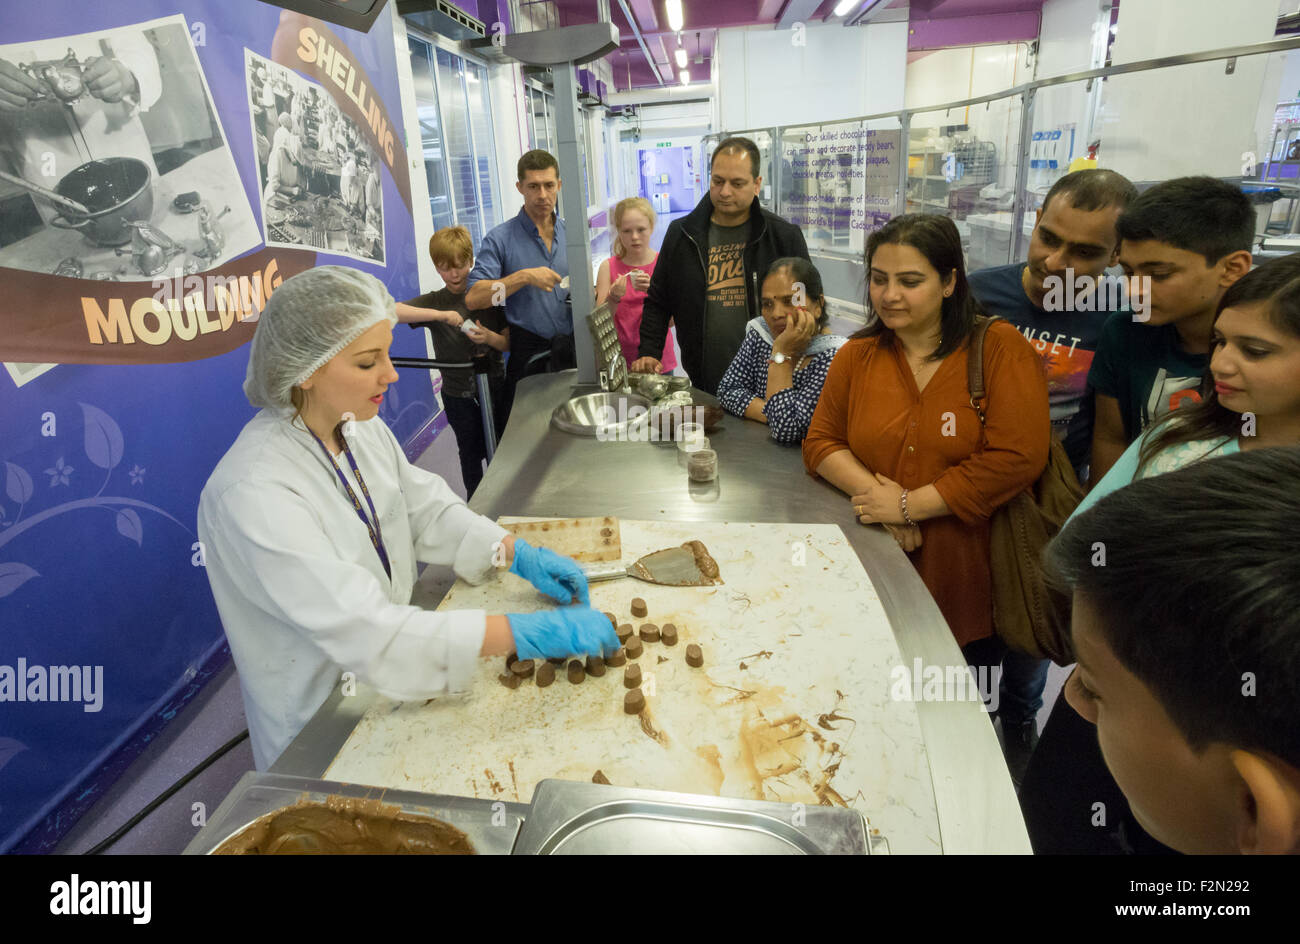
(641, 205)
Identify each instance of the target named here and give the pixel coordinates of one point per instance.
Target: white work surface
(809, 719)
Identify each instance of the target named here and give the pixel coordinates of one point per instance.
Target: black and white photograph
(113, 163)
(318, 176)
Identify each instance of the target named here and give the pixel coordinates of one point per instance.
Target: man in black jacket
(707, 278)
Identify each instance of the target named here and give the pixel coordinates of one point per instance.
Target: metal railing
(480, 366)
(1026, 91)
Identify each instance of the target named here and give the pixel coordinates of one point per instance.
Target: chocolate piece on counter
(511, 660)
(634, 702)
(595, 666)
(616, 658)
(509, 680)
(632, 676)
(576, 672)
(694, 656)
(523, 668)
(639, 608)
(662, 659)
(545, 674)
(613, 620)
(599, 777)
(557, 661)
(624, 632)
(649, 632)
(633, 648)
(668, 635)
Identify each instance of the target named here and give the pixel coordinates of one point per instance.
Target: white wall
(429, 280)
(510, 130)
(1193, 119)
(1073, 38)
(763, 79)
(947, 75)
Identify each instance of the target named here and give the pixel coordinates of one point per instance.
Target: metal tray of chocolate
(568, 818)
(405, 820)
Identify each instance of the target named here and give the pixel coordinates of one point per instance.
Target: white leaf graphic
(9, 749)
(128, 524)
(103, 437)
(18, 484)
(13, 576)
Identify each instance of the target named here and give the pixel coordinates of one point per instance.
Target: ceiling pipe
(636, 31)
(878, 11)
(696, 91)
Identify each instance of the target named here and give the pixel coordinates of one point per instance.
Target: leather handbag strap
(975, 364)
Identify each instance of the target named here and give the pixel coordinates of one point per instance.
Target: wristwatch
(778, 358)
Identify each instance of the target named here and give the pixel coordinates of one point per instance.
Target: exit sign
(664, 144)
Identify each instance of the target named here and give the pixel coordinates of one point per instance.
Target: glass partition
(1236, 119)
(839, 181)
(435, 158)
(963, 163)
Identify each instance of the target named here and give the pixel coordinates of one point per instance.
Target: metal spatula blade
(689, 565)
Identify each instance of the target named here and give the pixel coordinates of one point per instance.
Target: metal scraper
(689, 565)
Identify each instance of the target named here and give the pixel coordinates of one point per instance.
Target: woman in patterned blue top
(776, 377)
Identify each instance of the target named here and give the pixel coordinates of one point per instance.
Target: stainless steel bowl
(603, 415)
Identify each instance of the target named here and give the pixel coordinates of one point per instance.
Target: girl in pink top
(625, 276)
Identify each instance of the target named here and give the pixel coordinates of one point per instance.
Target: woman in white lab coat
(312, 522)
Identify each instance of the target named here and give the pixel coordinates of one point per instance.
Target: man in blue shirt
(520, 265)
(1057, 303)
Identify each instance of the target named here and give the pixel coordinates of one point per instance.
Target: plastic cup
(702, 465)
(689, 437)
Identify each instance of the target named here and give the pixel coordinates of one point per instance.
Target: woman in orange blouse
(895, 429)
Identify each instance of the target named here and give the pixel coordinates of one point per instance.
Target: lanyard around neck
(376, 536)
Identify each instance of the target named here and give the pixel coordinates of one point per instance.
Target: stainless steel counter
(540, 471)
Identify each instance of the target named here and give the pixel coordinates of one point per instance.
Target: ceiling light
(674, 10)
(844, 6)
(685, 76)
(681, 58)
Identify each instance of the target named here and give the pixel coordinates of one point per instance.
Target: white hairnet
(307, 320)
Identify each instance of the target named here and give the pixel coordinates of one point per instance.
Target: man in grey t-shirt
(725, 310)
(713, 260)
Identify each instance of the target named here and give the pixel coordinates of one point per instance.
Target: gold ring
(857, 510)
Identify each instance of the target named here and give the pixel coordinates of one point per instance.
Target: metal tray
(568, 818)
(491, 826)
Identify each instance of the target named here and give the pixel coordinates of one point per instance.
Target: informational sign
(839, 182)
(169, 163)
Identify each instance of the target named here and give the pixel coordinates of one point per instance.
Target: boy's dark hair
(1200, 586)
(740, 146)
(936, 237)
(536, 160)
(1093, 189)
(1198, 214)
(804, 272)
(1276, 282)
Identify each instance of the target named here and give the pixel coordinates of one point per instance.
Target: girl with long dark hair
(1250, 397)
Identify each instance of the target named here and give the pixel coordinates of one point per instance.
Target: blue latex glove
(569, 631)
(556, 576)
